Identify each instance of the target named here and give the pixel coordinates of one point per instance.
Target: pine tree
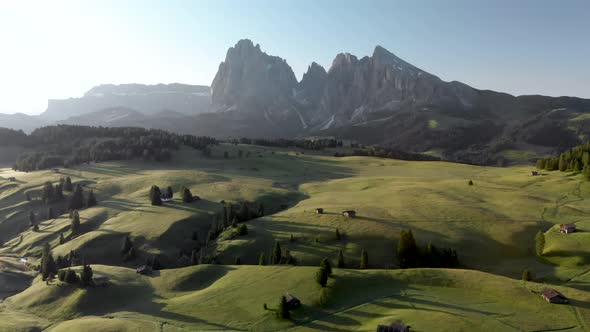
(47, 193)
(277, 253)
(283, 309)
(61, 238)
(562, 163)
(48, 266)
(187, 196)
(71, 277)
(75, 223)
(155, 195)
(577, 166)
(470, 182)
(50, 213)
(526, 275)
(58, 192)
(321, 276)
(407, 251)
(541, 164)
(91, 201)
(340, 264)
(326, 265)
(77, 199)
(86, 275)
(68, 184)
(127, 245)
(194, 258)
(238, 261)
(338, 234)
(539, 243)
(261, 259)
(169, 192)
(364, 260)
(32, 218)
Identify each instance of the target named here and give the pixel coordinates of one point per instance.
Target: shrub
(470, 183)
(526, 275)
(539, 243)
(321, 277)
(283, 309)
(325, 264)
(243, 230)
(71, 277)
(61, 275)
(364, 260)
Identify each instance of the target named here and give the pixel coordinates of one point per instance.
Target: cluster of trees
(156, 195)
(409, 255)
(66, 146)
(10, 137)
(576, 159)
(308, 143)
(388, 153)
(277, 256)
(233, 214)
(50, 268)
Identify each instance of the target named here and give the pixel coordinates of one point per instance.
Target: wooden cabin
(349, 213)
(534, 173)
(144, 269)
(292, 301)
(567, 228)
(319, 211)
(552, 296)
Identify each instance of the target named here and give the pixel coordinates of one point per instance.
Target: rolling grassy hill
(491, 224)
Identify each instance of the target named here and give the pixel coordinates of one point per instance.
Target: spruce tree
(48, 266)
(75, 223)
(340, 264)
(321, 276)
(187, 196)
(86, 275)
(127, 245)
(68, 184)
(77, 199)
(32, 218)
(58, 192)
(47, 193)
(91, 201)
(50, 213)
(277, 253)
(155, 195)
(169, 192)
(364, 260)
(526, 275)
(261, 259)
(407, 251)
(326, 265)
(61, 238)
(338, 234)
(283, 309)
(539, 243)
(71, 277)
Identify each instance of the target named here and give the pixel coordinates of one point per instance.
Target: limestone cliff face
(248, 74)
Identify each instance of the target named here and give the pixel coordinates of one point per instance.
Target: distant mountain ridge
(148, 99)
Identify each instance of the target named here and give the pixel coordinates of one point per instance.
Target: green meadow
(491, 224)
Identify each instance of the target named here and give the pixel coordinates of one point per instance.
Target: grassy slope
(231, 297)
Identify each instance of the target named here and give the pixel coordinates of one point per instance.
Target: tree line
(576, 159)
(308, 143)
(381, 152)
(66, 146)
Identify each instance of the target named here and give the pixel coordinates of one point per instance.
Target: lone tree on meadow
(277, 254)
(340, 264)
(407, 251)
(61, 238)
(187, 196)
(540, 243)
(155, 195)
(77, 199)
(526, 275)
(75, 223)
(338, 237)
(32, 218)
(283, 309)
(50, 213)
(321, 276)
(261, 259)
(364, 259)
(91, 201)
(326, 265)
(169, 192)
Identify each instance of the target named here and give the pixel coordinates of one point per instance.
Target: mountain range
(378, 99)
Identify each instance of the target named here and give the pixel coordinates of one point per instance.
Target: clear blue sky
(60, 49)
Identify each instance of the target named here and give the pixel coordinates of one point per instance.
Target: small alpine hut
(534, 173)
(552, 296)
(319, 211)
(292, 301)
(567, 228)
(349, 213)
(144, 269)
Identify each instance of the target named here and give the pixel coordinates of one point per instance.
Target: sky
(60, 49)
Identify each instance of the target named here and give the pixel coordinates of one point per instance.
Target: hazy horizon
(62, 49)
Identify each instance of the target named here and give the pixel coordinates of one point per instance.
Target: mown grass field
(491, 224)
